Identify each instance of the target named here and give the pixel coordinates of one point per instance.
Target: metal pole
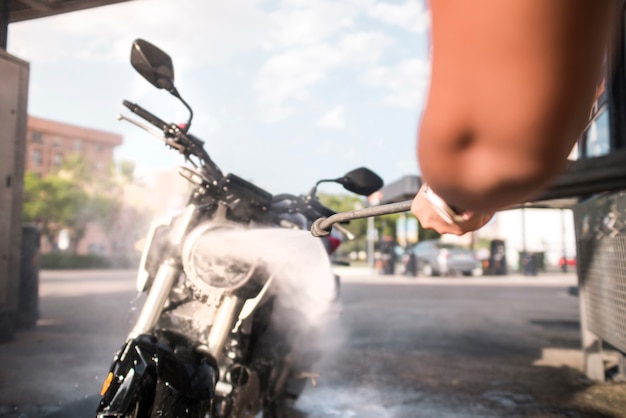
(406, 231)
(4, 23)
(524, 230)
(524, 259)
(564, 267)
(370, 242)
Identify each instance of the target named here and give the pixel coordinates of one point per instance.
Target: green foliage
(104, 209)
(65, 261)
(72, 198)
(386, 225)
(53, 203)
(75, 167)
(126, 169)
(341, 202)
(426, 234)
(483, 243)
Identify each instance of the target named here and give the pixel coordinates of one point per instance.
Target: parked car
(435, 258)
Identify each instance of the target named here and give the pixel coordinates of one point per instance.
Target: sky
(284, 92)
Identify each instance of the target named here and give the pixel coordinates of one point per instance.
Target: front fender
(131, 379)
(137, 366)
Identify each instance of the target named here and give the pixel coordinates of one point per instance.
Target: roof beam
(39, 5)
(21, 10)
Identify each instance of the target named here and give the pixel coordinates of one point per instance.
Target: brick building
(48, 143)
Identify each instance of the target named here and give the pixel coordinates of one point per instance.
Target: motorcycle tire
(137, 411)
(280, 407)
(170, 403)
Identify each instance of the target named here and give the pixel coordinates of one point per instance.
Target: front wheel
(138, 411)
(280, 407)
(170, 403)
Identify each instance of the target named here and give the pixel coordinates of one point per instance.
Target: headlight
(212, 257)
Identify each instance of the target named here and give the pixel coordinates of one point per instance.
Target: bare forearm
(512, 85)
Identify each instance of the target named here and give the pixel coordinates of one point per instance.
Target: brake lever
(322, 226)
(344, 231)
(180, 148)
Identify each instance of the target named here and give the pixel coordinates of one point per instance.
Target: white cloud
(289, 75)
(288, 57)
(363, 47)
(302, 23)
(307, 40)
(210, 32)
(406, 82)
(411, 15)
(311, 39)
(333, 119)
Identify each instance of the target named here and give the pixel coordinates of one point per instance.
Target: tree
(53, 204)
(126, 170)
(74, 196)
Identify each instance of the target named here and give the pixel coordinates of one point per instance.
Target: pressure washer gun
(322, 226)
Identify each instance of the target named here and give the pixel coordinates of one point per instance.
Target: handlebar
(307, 205)
(144, 114)
(192, 145)
(179, 139)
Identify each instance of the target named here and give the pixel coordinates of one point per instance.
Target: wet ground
(400, 347)
(459, 348)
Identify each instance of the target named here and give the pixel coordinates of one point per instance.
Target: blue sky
(284, 92)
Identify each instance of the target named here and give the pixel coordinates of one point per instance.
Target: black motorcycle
(236, 288)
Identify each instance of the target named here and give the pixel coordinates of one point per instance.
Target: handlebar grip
(321, 209)
(143, 113)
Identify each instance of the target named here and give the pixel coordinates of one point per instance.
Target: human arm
(511, 88)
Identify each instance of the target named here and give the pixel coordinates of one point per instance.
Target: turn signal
(106, 384)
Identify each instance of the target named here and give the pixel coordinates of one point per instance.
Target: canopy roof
(20, 10)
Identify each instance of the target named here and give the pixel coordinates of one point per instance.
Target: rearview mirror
(361, 181)
(153, 64)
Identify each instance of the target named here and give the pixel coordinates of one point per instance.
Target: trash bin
(28, 304)
(497, 258)
(529, 263)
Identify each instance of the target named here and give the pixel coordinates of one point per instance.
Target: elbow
(488, 172)
(473, 186)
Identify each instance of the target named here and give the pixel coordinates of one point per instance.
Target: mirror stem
(313, 191)
(174, 92)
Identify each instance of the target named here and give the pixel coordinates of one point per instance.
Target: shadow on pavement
(84, 408)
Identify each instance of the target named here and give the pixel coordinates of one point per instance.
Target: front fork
(144, 361)
(166, 277)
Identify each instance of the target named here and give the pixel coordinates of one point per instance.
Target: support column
(4, 23)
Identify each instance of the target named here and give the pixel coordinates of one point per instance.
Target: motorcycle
(236, 289)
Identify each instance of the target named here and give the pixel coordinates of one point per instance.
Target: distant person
(388, 255)
(512, 85)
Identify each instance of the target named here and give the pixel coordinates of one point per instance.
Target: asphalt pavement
(56, 369)
(403, 347)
